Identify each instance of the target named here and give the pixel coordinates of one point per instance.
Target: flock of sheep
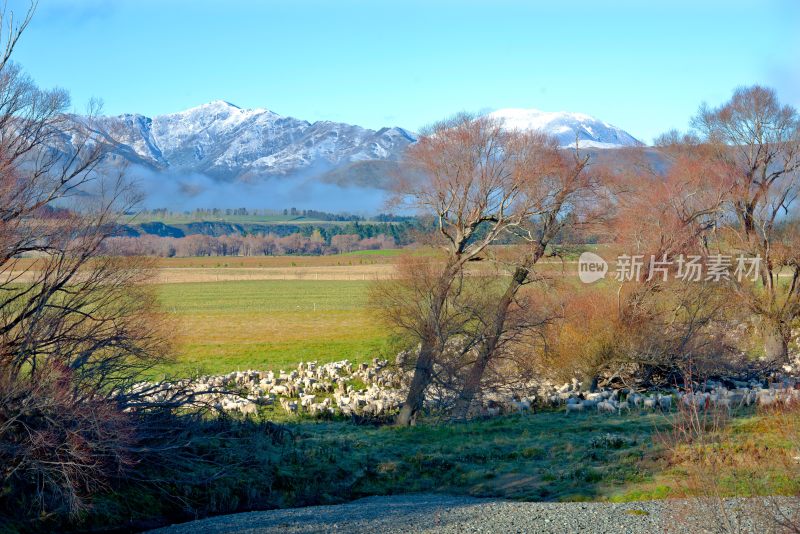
(316, 389)
(708, 395)
(376, 389)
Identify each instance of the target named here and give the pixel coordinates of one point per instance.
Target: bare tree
(76, 326)
(661, 214)
(757, 139)
(465, 172)
(405, 302)
(558, 192)
(657, 214)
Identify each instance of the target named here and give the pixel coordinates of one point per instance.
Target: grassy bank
(546, 456)
(542, 457)
(533, 457)
(538, 457)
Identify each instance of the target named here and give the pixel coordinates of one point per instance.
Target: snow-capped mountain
(219, 155)
(226, 142)
(590, 132)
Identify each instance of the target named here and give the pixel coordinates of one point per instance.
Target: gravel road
(462, 515)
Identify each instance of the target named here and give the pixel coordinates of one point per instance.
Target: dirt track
(461, 515)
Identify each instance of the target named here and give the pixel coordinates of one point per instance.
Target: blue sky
(642, 65)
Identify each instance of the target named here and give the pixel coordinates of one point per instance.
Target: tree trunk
(488, 348)
(423, 373)
(776, 344)
(471, 387)
(423, 369)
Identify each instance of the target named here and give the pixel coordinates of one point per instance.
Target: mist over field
(190, 191)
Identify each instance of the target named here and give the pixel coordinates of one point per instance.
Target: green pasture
(269, 324)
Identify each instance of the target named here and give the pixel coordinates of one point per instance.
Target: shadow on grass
(538, 457)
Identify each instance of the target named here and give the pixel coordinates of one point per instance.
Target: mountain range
(221, 143)
(228, 143)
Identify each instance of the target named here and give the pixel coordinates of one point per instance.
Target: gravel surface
(464, 515)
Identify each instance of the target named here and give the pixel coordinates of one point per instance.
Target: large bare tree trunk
(423, 374)
(472, 383)
(423, 368)
(776, 344)
(479, 181)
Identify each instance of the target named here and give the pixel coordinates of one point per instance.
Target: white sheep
(606, 407)
(589, 404)
(248, 409)
(522, 405)
(574, 407)
(724, 402)
(765, 398)
(636, 399)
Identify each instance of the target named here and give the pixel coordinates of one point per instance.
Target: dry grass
(712, 457)
(177, 275)
(377, 257)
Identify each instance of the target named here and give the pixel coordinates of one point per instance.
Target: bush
(589, 339)
(57, 448)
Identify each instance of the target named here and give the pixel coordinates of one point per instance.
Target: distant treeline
(230, 235)
(397, 230)
(201, 214)
(250, 245)
(224, 238)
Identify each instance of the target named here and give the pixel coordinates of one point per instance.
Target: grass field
(225, 326)
(272, 312)
(231, 262)
(547, 456)
(366, 272)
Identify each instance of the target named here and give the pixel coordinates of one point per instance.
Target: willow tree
(467, 174)
(757, 140)
(559, 192)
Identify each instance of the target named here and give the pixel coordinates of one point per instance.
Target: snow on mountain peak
(219, 108)
(566, 126)
(219, 103)
(227, 142)
(213, 105)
